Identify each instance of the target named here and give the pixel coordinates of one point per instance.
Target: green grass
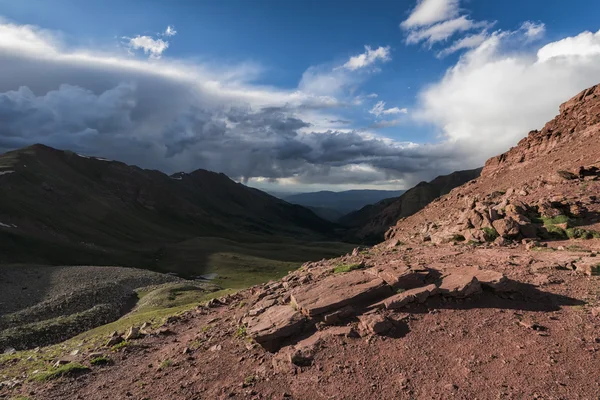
(342, 268)
(580, 233)
(63, 370)
(120, 346)
(489, 233)
(241, 332)
(166, 364)
(102, 360)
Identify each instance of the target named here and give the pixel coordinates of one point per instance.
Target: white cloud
(372, 96)
(494, 95)
(428, 12)
(153, 47)
(468, 42)
(379, 110)
(444, 30)
(170, 31)
(586, 45)
(369, 57)
(533, 30)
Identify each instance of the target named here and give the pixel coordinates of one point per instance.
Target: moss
(559, 219)
(346, 268)
(102, 360)
(489, 233)
(63, 370)
(120, 346)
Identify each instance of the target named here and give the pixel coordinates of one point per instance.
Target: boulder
(400, 276)
(459, 285)
(402, 299)
(356, 288)
(487, 278)
(339, 315)
(374, 322)
(274, 325)
(506, 227)
(132, 333)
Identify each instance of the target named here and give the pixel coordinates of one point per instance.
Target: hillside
(59, 207)
(342, 202)
(490, 291)
(371, 222)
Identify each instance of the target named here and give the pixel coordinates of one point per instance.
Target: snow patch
(93, 158)
(6, 172)
(7, 226)
(177, 178)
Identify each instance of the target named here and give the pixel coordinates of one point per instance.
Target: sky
(294, 95)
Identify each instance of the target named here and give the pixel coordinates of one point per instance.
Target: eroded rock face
(274, 325)
(337, 291)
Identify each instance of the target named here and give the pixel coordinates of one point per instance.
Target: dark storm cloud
(175, 117)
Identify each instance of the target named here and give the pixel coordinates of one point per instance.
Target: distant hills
(370, 223)
(60, 207)
(333, 205)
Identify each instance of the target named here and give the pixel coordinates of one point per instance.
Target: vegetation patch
(64, 370)
(120, 346)
(457, 238)
(489, 233)
(102, 360)
(241, 332)
(580, 233)
(166, 364)
(342, 268)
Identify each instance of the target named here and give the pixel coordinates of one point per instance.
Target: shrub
(165, 364)
(457, 238)
(490, 234)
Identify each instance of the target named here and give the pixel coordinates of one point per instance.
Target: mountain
(370, 223)
(61, 207)
(342, 202)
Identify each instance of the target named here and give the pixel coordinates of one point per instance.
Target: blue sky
(293, 95)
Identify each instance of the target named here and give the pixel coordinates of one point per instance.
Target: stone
(261, 306)
(339, 315)
(486, 277)
(95, 354)
(59, 363)
(409, 296)
(374, 322)
(587, 268)
(132, 333)
(114, 340)
(506, 227)
(274, 325)
(400, 276)
(339, 290)
(459, 285)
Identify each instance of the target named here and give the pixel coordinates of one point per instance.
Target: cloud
(176, 115)
(428, 12)
(581, 47)
(533, 30)
(154, 47)
(436, 21)
(468, 42)
(499, 91)
(444, 30)
(170, 31)
(379, 110)
(369, 57)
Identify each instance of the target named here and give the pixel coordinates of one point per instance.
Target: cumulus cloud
(153, 47)
(495, 94)
(443, 31)
(428, 12)
(369, 57)
(379, 110)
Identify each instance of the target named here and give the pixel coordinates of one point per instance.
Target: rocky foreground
(490, 292)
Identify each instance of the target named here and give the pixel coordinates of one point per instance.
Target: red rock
(400, 276)
(337, 291)
(506, 227)
(275, 324)
(402, 299)
(373, 322)
(459, 285)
